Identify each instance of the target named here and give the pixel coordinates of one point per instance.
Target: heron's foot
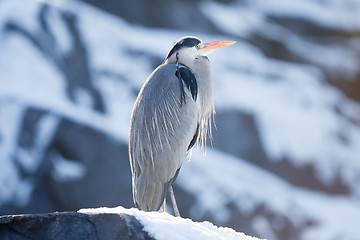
(173, 202)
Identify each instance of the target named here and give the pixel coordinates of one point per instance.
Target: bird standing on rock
(172, 111)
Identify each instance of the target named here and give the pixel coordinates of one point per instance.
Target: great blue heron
(171, 112)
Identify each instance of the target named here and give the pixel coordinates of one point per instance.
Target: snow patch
(338, 14)
(66, 170)
(12, 186)
(163, 226)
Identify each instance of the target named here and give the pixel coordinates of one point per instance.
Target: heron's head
(193, 47)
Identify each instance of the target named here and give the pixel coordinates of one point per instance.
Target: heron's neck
(200, 67)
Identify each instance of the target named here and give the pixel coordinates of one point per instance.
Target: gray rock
(71, 225)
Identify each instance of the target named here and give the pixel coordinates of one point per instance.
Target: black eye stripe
(190, 42)
(185, 42)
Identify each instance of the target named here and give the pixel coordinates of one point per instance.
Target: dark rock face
(165, 14)
(105, 160)
(72, 225)
(106, 164)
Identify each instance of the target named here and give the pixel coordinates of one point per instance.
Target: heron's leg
(173, 201)
(164, 205)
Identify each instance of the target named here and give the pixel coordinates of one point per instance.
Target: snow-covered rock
(111, 223)
(163, 226)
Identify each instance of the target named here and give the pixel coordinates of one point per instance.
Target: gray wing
(161, 130)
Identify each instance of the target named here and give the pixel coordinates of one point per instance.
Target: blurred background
(284, 162)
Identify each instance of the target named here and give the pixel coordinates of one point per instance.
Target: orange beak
(218, 44)
(207, 48)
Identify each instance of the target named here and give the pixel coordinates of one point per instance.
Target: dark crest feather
(184, 42)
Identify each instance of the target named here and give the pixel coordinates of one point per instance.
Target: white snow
(262, 225)
(44, 132)
(341, 14)
(163, 226)
(59, 30)
(335, 14)
(67, 170)
(12, 187)
(233, 19)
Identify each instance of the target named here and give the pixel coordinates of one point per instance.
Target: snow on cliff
(163, 226)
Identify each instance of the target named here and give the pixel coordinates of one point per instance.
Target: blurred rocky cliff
(284, 160)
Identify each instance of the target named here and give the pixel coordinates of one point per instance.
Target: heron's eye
(197, 46)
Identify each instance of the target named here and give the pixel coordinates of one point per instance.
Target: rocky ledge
(111, 223)
(72, 225)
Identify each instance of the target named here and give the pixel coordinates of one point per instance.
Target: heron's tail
(148, 192)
